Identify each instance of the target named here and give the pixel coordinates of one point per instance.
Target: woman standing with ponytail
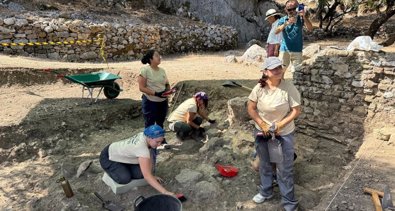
(153, 83)
(275, 103)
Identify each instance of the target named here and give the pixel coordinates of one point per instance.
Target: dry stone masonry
(122, 42)
(343, 92)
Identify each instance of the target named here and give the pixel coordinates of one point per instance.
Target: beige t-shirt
(274, 105)
(180, 114)
(156, 81)
(129, 150)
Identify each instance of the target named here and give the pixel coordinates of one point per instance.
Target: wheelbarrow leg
(98, 94)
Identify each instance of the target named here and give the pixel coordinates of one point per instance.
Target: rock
(310, 51)
(42, 153)
(83, 167)
(223, 125)
(231, 59)
(21, 22)
(89, 55)
(255, 42)
(388, 95)
(60, 145)
(208, 170)
(9, 21)
(48, 29)
(70, 204)
(237, 111)
(68, 169)
(327, 80)
(54, 55)
(188, 177)
(384, 134)
(253, 55)
(5, 30)
(212, 144)
(357, 83)
(223, 156)
(213, 132)
(206, 190)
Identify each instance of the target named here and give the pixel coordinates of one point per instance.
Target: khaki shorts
(294, 58)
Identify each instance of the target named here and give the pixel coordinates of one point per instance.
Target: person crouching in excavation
(275, 103)
(130, 159)
(189, 115)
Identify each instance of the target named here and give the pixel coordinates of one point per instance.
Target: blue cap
(201, 95)
(154, 131)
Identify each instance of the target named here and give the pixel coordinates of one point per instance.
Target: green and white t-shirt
(274, 105)
(129, 150)
(156, 81)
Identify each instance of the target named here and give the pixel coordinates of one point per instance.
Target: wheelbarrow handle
(138, 200)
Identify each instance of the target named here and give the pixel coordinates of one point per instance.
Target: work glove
(159, 94)
(265, 128)
(211, 121)
(278, 126)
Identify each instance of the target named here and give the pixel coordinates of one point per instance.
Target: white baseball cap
(271, 13)
(271, 63)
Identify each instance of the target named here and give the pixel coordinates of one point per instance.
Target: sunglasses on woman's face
(291, 9)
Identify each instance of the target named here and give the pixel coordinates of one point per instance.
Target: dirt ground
(47, 130)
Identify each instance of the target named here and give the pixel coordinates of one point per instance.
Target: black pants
(121, 173)
(154, 112)
(183, 130)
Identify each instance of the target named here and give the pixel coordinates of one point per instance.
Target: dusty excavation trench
(58, 134)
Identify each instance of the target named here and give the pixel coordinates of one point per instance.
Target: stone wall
(344, 93)
(123, 42)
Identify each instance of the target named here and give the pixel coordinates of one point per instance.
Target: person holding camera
(189, 115)
(153, 83)
(291, 27)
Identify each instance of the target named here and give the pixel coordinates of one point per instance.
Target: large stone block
(119, 188)
(237, 110)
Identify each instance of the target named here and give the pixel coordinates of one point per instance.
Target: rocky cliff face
(247, 16)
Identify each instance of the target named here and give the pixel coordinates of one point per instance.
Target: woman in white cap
(273, 40)
(274, 104)
(130, 159)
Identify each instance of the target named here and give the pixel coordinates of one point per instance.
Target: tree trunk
(378, 22)
(331, 10)
(389, 41)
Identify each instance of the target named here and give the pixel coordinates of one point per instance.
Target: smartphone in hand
(300, 7)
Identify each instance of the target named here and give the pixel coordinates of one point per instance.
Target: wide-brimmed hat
(270, 13)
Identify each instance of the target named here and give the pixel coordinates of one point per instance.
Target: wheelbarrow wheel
(112, 92)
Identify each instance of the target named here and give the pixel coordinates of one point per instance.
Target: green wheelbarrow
(103, 80)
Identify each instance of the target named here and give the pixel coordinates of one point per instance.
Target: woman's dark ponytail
(147, 57)
(262, 81)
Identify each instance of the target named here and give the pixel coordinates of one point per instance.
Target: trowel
(387, 199)
(235, 84)
(108, 205)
